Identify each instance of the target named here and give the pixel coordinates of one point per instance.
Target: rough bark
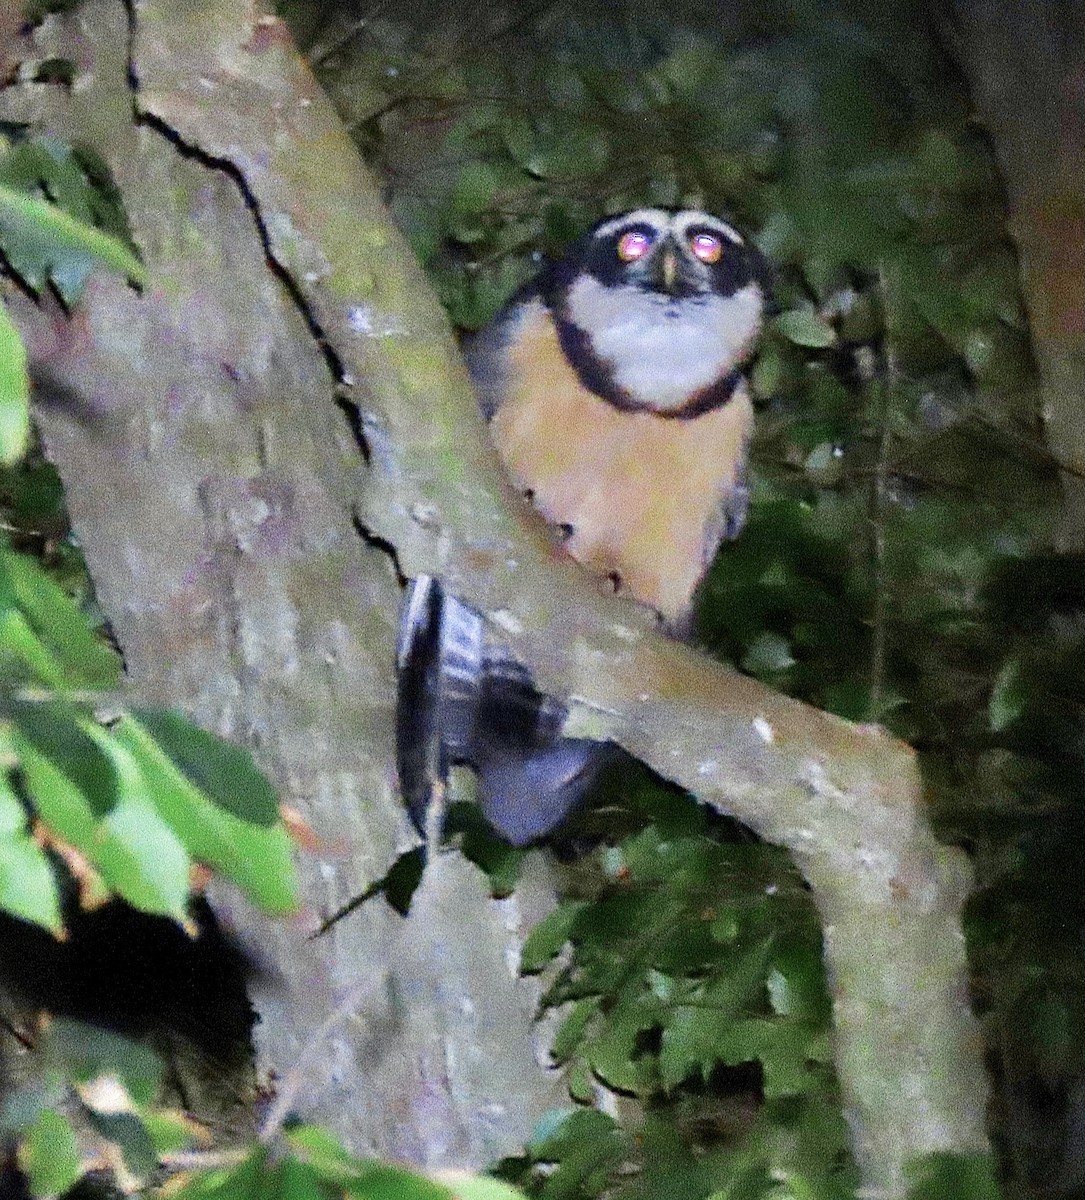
(1026, 67)
(211, 479)
(213, 484)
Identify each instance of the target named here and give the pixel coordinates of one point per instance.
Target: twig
(294, 1078)
(348, 35)
(24, 1040)
(203, 1160)
(351, 905)
(408, 91)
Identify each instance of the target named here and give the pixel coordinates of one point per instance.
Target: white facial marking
(662, 221)
(657, 218)
(661, 350)
(684, 221)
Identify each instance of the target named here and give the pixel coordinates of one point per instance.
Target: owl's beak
(666, 267)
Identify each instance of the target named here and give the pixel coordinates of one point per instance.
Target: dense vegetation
(896, 568)
(895, 564)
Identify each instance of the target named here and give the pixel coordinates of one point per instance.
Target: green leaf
(564, 1129)
(40, 237)
(569, 152)
(74, 656)
(946, 1176)
(86, 1053)
(324, 1152)
(565, 85)
(1009, 696)
(518, 135)
(474, 190)
(481, 1188)
(824, 464)
(796, 983)
(789, 1051)
(89, 789)
(124, 1129)
(323, 1155)
(692, 1044)
(378, 1181)
(805, 328)
(296, 1180)
(779, 239)
(612, 1052)
(169, 1131)
(686, 67)
(769, 654)
(50, 1155)
(711, 1029)
(257, 858)
(585, 1148)
(70, 781)
(23, 657)
(223, 773)
(570, 1032)
(548, 937)
(27, 884)
(14, 392)
(37, 500)
(139, 854)
(247, 1181)
(779, 993)
(582, 1086)
(768, 373)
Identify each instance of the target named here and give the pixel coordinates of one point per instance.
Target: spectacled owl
(613, 389)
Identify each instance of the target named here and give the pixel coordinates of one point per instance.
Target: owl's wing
(734, 505)
(421, 750)
(464, 699)
(485, 352)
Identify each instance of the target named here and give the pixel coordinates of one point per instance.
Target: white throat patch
(662, 350)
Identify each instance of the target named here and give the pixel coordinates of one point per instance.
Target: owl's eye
(633, 245)
(707, 247)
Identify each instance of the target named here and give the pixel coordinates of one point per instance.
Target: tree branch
(222, 80)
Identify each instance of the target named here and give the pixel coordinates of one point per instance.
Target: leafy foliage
(98, 1082)
(696, 985)
(59, 217)
(892, 568)
(129, 802)
(312, 1165)
(887, 572)
(126, 811)
(108, 801)
(91, 1077)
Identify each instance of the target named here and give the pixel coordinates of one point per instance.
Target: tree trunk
(241, 545)
(1026, 66)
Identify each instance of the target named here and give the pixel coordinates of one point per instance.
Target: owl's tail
(463, 698)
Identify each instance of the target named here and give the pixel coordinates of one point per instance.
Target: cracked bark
(212, 478)
(216, 486)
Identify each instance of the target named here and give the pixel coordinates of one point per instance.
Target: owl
(613, 389)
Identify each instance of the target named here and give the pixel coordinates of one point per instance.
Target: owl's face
(658, 309)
